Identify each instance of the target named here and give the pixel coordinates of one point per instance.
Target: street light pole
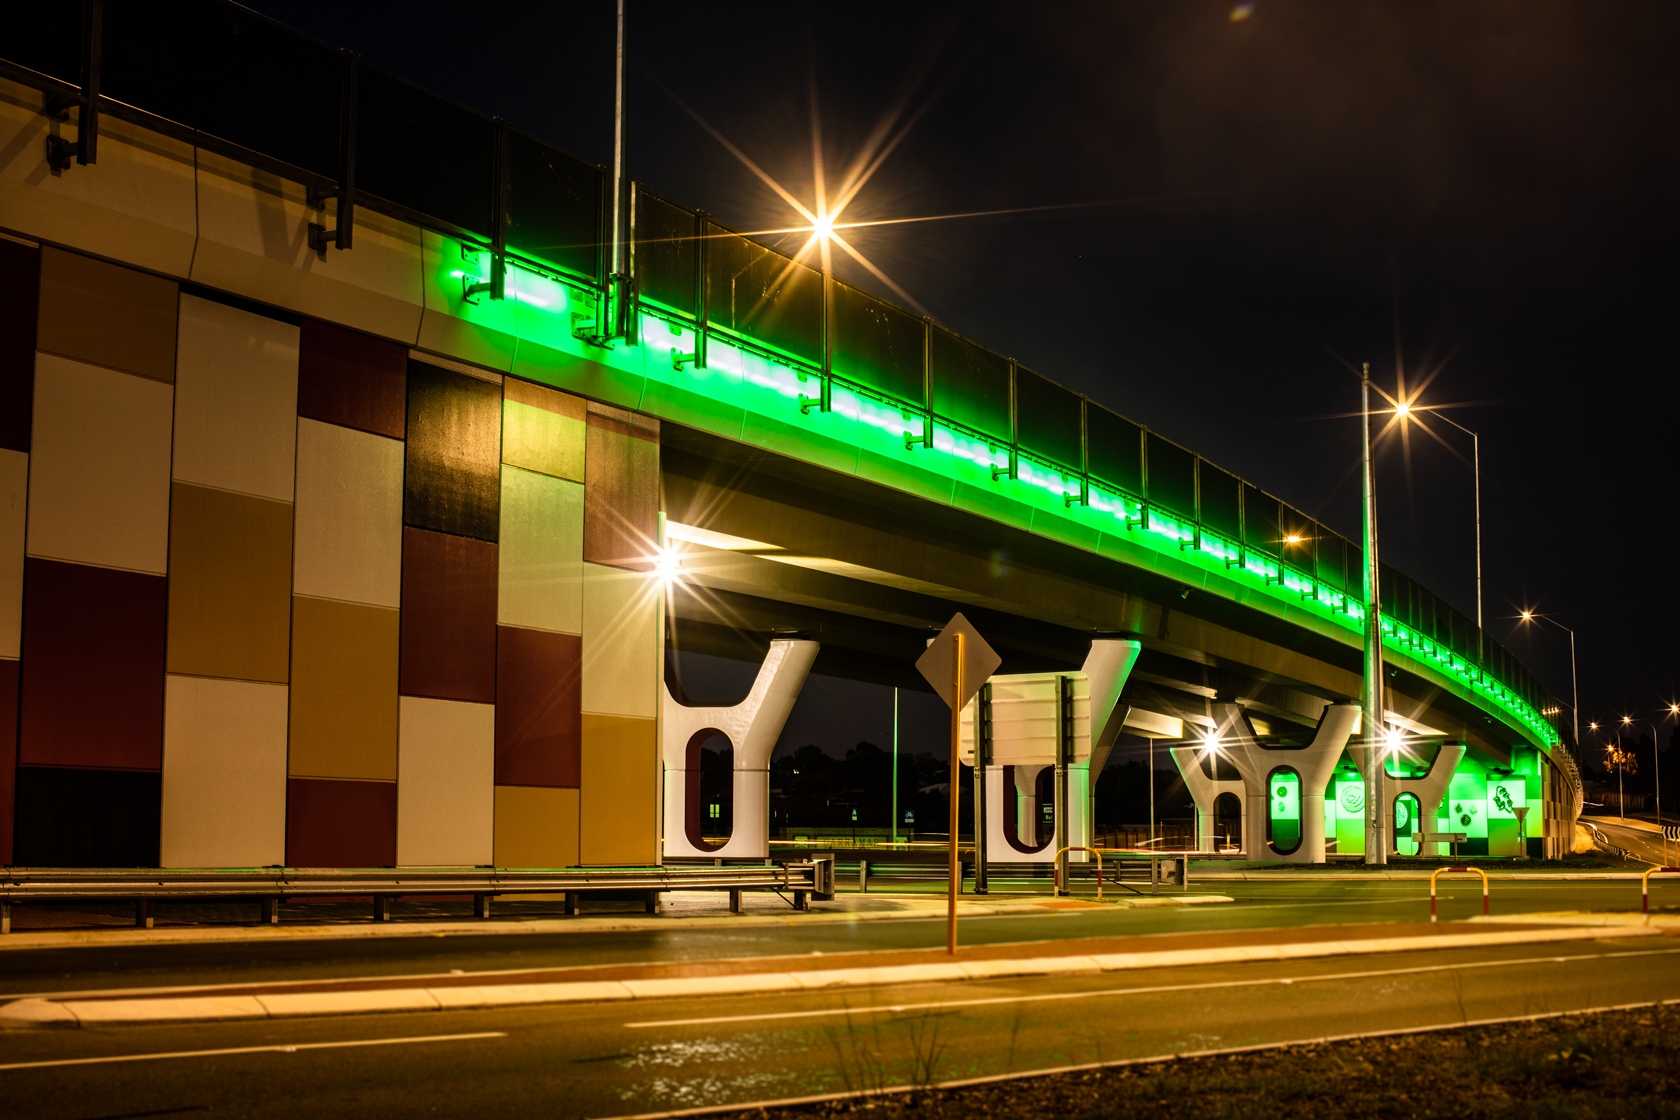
(1574, 685)
(1376, 807)
(1476, 466)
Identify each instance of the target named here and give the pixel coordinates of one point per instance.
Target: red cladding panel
(20, 282)
(620, 494)
(93, 657)
(448, 617)
(539, 708)
(340, 824)
(8, 754)
(352, 379)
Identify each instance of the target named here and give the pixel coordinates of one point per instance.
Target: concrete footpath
(732, 977)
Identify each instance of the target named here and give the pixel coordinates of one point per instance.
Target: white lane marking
(1153, 1059)
(280, 1048)
(1364, 974)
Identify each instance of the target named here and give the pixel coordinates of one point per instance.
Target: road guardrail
(270, 886)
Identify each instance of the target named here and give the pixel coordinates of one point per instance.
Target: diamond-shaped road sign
(979, 660)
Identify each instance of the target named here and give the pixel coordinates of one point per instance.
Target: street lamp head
(1403, 409)
(1528, 616)
(1592, 727)
(1627, 720)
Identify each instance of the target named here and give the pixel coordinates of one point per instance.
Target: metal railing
(1439, 871)
(1645, 888)
(802, 880)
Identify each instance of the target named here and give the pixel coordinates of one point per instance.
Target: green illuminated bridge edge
(751, 392)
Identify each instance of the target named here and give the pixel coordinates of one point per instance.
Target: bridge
(401, 491)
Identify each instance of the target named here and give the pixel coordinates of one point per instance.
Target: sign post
(956, 664)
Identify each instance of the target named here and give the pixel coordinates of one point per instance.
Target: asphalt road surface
(602, 1060)
(1257, 905)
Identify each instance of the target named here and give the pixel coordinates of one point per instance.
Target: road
(1641, 840)
(614, 1059)
(1257, 905)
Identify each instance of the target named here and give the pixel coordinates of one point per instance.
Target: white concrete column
(752, 727)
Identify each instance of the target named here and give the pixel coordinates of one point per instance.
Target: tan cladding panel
(540, 558)
(536, 827)
(107, 315)
(618, 814)
(542, 429)
(230, 584)
(344, 690)
(621, 507)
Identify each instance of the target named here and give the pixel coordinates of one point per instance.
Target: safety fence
(800, 880)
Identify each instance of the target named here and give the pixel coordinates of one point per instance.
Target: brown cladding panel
(621, 494)
(352, 379)
(87, 818)
(93, 662)
(539, 720)
(452, 470)
(340, 824)
(20, 276)
(8, 754)
(230, 594)
(448, 617)
(107, 315)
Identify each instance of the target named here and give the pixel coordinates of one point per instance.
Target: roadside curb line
(111, 1012)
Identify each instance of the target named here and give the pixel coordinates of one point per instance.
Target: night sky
(1479, 199)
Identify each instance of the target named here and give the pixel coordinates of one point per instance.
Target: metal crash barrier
(1439, 871)
(1060, 869)
(1645, 887)
(270, 886)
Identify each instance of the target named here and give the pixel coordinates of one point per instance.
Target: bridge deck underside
(771, 544)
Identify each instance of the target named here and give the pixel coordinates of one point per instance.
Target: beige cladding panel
(253, 240)
(543, 429)
(14, 494)
(540, 558)
(618, 815)
(224, 773)
(99, 467)
(107, 315)
(137, 204)
(536, 827)
(230, 585)
(349, 515)
(344, 690)
(235, 400)
(446, 802)
(620, 642)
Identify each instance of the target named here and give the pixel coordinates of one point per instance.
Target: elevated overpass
(826, 464)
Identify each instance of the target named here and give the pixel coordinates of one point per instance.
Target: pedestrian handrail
(271, 885)
(1059, 869)
(1439, 871)
(1645, 887)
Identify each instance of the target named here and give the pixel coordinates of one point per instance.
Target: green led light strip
(746, 393)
